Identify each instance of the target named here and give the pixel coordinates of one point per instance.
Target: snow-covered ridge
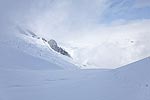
(51, 43)
(25, 47)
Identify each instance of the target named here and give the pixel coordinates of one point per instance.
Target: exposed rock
(44, 39)
(55, 47)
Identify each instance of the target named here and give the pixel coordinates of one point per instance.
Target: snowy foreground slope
(14, 59)
(131, 82)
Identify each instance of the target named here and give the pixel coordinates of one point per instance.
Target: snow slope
(131, 82)
(15, 59)
(30, 53)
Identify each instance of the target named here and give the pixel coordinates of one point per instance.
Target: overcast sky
(99, 33)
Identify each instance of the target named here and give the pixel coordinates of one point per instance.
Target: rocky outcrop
(52, 43)
(55, 47)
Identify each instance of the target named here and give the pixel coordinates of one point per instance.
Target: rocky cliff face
(55, 47)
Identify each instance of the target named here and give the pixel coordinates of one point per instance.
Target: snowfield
(130, 82)
(42, 74)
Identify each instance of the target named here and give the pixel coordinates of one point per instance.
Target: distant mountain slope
(137, 66)
(25, 52)
(51, 43)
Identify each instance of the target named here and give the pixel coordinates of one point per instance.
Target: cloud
(142, 3)
(114, 45)
(62, 18)
(99, 33)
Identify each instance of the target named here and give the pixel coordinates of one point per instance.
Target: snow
(15, 59)
(25, 82)
(30, 70)
(28, 51)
